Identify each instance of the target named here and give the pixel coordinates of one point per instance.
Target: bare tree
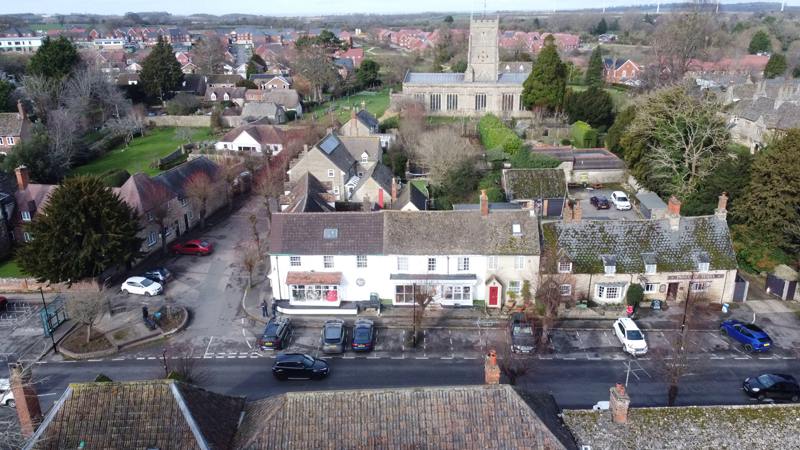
(62, 129)
(87, 310)
(441, 149)
(678, 41)
(43, 93)
(208, 54)
(548, 299)
(251, 256)
(423, 296)
(184, 135)
(512, 366)
(199, 188)
(127, 126)
(254, 228)
(230, 171)
(412, 123)
(314, 65)
(183, 368)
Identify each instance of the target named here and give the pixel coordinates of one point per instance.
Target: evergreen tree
(760, 43)
(86, 230)
(770, 205)
(594, 72)
(547, 82)
(776, 66)
(616, 130)
(731, 175)
(55, 58)
(6, 88)
(161, 72)
(536, 23)
(448, 20)
(45, 166)
(367, 73)
(602, 27)
(593, 106)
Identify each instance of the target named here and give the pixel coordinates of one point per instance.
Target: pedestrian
(274, 309)
(264, 308)
(145, 313)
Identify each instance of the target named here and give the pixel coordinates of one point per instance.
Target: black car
(276, 335)
(522, 338)
(159, 274)
(600, 202)
(363, 335)
(333, 336)
(299, 366)
(774, 386)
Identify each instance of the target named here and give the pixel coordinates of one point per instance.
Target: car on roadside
(630, 336)
(159, 274)
(774, 386)
(299, 366)
(6, 394)
(276, 334)
(334, 333)
(751, 336)
(3, 303)
(620, 200)
(141, 286)
(363, 335)
(600, 202)
(522, 338)
(197, 247)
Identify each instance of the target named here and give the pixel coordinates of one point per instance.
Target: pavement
(590, 212)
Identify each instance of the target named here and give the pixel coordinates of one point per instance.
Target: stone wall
(466, 98)
(180, 121)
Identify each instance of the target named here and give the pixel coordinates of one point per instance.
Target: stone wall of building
(180, 121)
(466, 93)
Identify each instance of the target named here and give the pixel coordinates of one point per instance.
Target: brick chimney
(484, 203)
(722, 204)
(674, 213)
(577, 212)
(23, 177)
(491, 369)
(619, 403)
(28, 409)
(21, 110)
(394, 190)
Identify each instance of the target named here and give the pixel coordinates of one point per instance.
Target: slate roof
(332, 147)
(411, 194)
(464, 417)
(162, 414)
(382, 176)
(233, 93)
(223, 79)
(175, 178)
(347, 63)
(651, 200)
(509, 78)
(586, 241)
(260, 110)
(528, 184)
(11, 124)
(308, 195)
(289, 98)
(357, 145)
(303, 234)
(368, 120)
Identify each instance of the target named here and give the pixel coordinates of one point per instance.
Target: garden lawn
(618, 95)
(377, 103)
(10, 269)
(142, 151)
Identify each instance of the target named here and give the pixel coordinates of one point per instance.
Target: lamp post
(686, 308)
(47, 321)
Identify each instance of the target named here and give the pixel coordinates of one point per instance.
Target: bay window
(457, 293)
(314, 292)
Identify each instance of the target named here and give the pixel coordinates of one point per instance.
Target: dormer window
(703, 262)
(649, 260)
(213, 96)
(516, 229)
(609, 264)
(564, 266)
(364, 158)
(649, 269)
(226, 97)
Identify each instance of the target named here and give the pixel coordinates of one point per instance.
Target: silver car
(334, 333)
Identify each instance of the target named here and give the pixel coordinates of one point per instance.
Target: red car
(195, 247)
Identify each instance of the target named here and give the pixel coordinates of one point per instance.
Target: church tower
(483, 54)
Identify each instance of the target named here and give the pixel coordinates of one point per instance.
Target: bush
(115, 177)
(528, 160)
(291, 115)
(388, 124)
(183, 104)
(102, 378)
(496, 135)
(566, 141)
(583, 135)
(635, 295)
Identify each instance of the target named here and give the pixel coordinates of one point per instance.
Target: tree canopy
(547, 82)
(6, 89)
(776, 66)
(594, 72)
(367, 73)
(55, 58)
(34, 153)
(84, 230)
(616, 130)
(593, 106)
(161, 72)
(760, 43)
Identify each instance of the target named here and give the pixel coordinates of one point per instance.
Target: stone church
(485, 87)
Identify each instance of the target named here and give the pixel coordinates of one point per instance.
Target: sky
(299, 7)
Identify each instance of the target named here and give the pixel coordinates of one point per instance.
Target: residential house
(189, 68)
(20, 44)
(193, 84)
(376, 187)
(743, 65)
(225, 94)
(223, 81)
(356, 55)
(261, 111)
(288, 98)
(14, 128)
(344, 66)
(587, 165)
(542, 190)
(326, 259)
(270, 81)
(261, 138)
(31, 198)
(127, 79)
(308, 195)
(410, 198)
(621, 71)
(672, 258)
(362, 123)
(762, 111)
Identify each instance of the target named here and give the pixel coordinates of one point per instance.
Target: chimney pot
(484, 203)
(27, 402)
(577, 212)
(722, 212)
(674, 206)
(21, 110)
(619, 401)
(394, 190)
(491, 369)
(23, 177)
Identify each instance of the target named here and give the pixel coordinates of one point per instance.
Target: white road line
(246, 341)
(151, 357)
(399, 357)
(420, 357)
(208, 347)
(94, 360)
(446, 357)
(118, 359)
(373, 357)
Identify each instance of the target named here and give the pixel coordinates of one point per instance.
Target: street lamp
(47, 321)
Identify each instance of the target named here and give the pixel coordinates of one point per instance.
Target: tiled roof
(233, 92)
(493, 206)
(304, 234)
(286, 97)
(586, 241)
(381, 174)
(143, 193)
(223, 79)
(465, 418)
(527, 184)
(332, 147)
(11, 124)
(412, 194)
(368, 119)
(357, 145)
(35, 197)
(260, 110)
(175, 179)
(161, 414)
(308, 195)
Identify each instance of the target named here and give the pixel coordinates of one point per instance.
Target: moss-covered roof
(631, 242)
(528, 184)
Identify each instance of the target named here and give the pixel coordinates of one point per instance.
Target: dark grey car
(334, 334)
(522, 338)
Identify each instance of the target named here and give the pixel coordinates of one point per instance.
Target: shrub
(528, 160)
(388, 124)
(102, 378)
(635, 295)
(583, 135)
(496, 135)
(183, 104)
(566, 141)
(115, 177)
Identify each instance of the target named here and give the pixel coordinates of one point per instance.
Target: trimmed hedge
(496, 135)
(115, 177)
(583, 135)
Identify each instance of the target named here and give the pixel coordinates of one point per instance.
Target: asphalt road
(575, 384)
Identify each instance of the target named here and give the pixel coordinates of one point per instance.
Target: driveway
(590, 212)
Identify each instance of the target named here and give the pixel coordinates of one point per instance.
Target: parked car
(3, 303)
(276, 334)
(193, 247)
(299, 366)
(141, 286)
(630, 336)
(620, 200)
(334, 334)
(752, 337)
(774, 386)
(159, 274)
(600, 202)
(363, 335)
(522, 338)
(6, 394)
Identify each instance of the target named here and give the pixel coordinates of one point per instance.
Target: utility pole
(47, 321)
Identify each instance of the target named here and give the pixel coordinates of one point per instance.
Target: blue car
(751, 336)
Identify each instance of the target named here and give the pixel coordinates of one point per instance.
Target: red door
(493, 290)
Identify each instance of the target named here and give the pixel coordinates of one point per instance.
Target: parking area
(16, 313)
(23, 336)
(590, 212)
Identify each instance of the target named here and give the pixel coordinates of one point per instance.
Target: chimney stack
(674, 213)
(23, 177)
(28, 408)
(484, 203)
(722, 212)
(21, 110)
(394, 190)
(577, 212)
(491, 369)
(618, 404)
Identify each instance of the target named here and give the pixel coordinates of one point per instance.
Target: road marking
(420, 357)
(208, 347)
(94, 360)
(151, 357)
(399, 357)
(348, 357)
(373, 357)
(118, 359)
(446, 357)
(246, 341)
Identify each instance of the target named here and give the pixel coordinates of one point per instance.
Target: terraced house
(671, 258)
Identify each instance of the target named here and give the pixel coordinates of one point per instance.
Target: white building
(20, 44)
(321, 260)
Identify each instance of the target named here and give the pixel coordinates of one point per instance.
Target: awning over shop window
(428, 277)
(302, 278)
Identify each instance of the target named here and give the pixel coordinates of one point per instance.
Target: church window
(436, 102)
(480, 102)
(452, 102)
(508, 102)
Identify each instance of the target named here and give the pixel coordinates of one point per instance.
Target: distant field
(376, 102)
